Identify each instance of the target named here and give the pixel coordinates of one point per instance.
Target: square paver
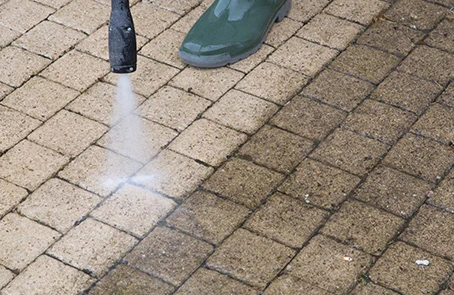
(251, 258)
(302, 56)
(207, 282)
(371, 234)
(409, 277)
(208, 217)
(303, 11)
(319, 184)
(252, 61)
(406, 91)
(391, 37)
(76, 70)
(308, 118)
(275, 148)
(241, 111)
(84, 247)
(28, 164)
(14, 126)
(444, 193)
(350, 151)
(359, 11)
(127, 280)
(330, 31)
(134, 209)
(366, 62)
(243, 182)
(338, 89)
(418, 14)
(40, 98)
(18, 65)
(442, 36)
(329, 265)
(68, 133)
(49, 276)
(378, 120)
(282, 31)
(393, 191)
(10, 196)
(447, 97)
(7, 36)
(21, 15)
(420, 156)
(369, 288)
(173, 107)
(287, 220)
(150, 20)
(164, 48)
(5, 276)
(208, 142)
(429, 63)
(437, 123)
(273, 83)
(22, 240)
(49, 39)
(173, 174)
(58, 204)
(169, 254)
(208, 83)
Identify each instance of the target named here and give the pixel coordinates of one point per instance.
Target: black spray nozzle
(122, 38)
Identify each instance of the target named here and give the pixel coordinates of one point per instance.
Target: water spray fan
(122, 38)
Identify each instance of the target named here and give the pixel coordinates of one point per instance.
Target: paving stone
(406, 91)
(362, 12)
(447, 292)
(28, 164)
(208, 217)
(22, 240)
(436, 123)
(431, 229)
(246, 65)
(14, 126)
(49, 39)
(393, 191)
(365, 62)
(58, 204)
(208, 142)
(410, 278)
(282, 31)
(68, 133)
(303, 11)
(442, 36)
(250, 258)
(329, 265)
(443, 195)
(287, 220)
(448, 3)
(173, 107)
(273, 83)
(206, 282)
(289, 285)
(241, 111)
(84, 247)
(308, 118)
(429, 63)
(380, 121)
(309, 57)
(447, 97)
(5, 276)
(319, 184)
(243, 182)
(10, 196)
(350, 151)
(150, 20)
(372, 289)
(338, 89)
(99, 170)
(76, 70)
(57, 4)
(169, 254)
(126, 280)
(418, 14)
(19, 65)
(363, 227)
(5, 90)
(180, 6)
(173, 174)
(276, 149)
(164, 48)
(40, 98)
(185, 23)
(21, 15)
(7, 36)
(330, 31)
(208, 83)
(49, 276)
(391, 37)
(82, 15)
(420, 156)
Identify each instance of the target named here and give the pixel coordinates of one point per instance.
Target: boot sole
(225, 59)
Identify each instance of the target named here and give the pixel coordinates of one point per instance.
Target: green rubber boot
(231, 30)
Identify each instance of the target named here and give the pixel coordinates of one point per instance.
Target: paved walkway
(320, 165)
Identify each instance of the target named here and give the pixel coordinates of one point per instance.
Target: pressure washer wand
(122, 38)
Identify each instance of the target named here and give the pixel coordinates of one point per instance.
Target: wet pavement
(322, 164)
